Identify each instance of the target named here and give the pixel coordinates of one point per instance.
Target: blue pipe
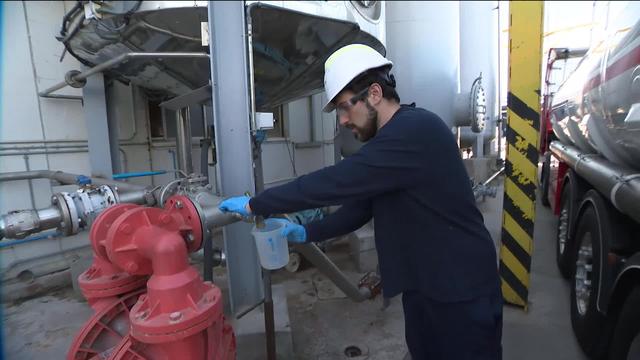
(47, 235)
(137, 174)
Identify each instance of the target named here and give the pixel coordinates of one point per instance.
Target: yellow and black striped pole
(523, 126)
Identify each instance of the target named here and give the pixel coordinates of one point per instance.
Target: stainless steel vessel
(597, 108)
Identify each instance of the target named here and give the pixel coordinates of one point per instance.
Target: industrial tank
(423, 43)
(439, 49)
(290, 42)
(597, 108)
(478, 55)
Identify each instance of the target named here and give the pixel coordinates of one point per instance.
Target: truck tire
(564, 246)
(625, 344)
(588, 323)
(544, 180)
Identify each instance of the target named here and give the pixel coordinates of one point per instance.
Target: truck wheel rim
(563, 228)
(584, 272)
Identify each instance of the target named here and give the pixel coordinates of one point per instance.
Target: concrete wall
(29, 63)
(308, 144)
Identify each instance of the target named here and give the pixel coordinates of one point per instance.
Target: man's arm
(389, 162)
(348, 218)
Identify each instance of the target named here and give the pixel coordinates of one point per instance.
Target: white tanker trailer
(591, 177)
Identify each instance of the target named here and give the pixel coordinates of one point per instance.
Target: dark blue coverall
(432, 244)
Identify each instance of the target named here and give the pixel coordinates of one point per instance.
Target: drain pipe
(621, 185)
(312, 253)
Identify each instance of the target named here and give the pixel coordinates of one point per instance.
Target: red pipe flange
(181, 317)
(103, 281)
(221, 345)
(134, 226)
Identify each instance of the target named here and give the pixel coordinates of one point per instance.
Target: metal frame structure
(102, 131)
(231, 104)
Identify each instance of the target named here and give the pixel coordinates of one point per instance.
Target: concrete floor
(544, 332)
(323, 322)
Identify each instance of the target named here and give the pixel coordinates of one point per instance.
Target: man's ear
(375, 94)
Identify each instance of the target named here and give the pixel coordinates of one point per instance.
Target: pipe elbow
(169, 254)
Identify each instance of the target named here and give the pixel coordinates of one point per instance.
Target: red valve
(180, 316)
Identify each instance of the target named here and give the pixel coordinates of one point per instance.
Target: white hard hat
(345, 64)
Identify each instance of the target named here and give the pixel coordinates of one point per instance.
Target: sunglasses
(343, 108)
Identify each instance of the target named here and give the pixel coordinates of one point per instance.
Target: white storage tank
(423, 43)
(438, 50)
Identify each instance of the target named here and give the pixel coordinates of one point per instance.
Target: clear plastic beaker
(273, 249)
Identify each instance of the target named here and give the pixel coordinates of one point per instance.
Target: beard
(370, 128)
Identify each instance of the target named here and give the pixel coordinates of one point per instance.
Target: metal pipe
(205, 144)
(48, 235)
(82, 143)
(45, 152)
(76, 149)
(125, 160)
(621, 185)
(252, 86)
(20, 224)
(170, 33)
(49, 217)
(492, 177)
(42, 141)
(42, 147)
(79, 77)
(63, 178)
(62, 97)
(183, 141)
(137, 174)
(136, 197)
(207, 263)
(312, 253)
(31, 193)
(269, 317)
(134, 118)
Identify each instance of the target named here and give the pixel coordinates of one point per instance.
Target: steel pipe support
(183, 141)
(312, 253)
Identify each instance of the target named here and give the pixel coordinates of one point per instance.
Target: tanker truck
(590, 146)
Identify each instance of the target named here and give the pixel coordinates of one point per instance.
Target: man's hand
(238, 204)
(293, 232)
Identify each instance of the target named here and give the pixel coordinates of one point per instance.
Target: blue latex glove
(236, 204)
(293, 232)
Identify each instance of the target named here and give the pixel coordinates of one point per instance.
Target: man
(432, 244)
